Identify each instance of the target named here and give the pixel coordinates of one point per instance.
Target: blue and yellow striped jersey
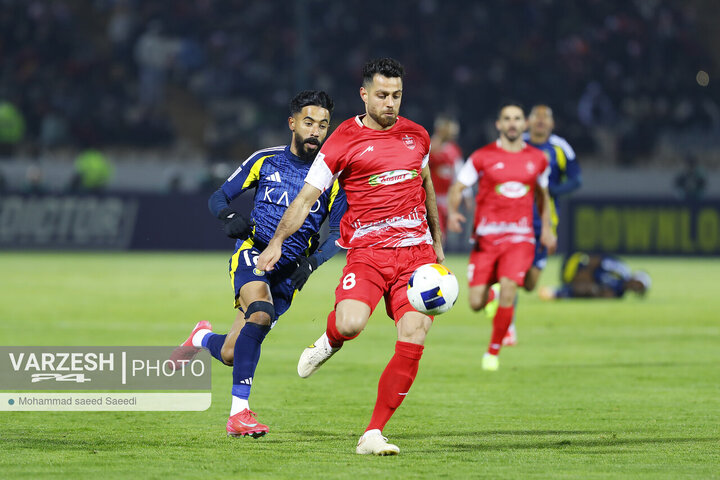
(277, 176)
(564, 172)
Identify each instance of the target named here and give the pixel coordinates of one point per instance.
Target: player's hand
(269, 257)
(234, 224)
(548, 240)
(305, 266)
(455, 221)
(439, 253)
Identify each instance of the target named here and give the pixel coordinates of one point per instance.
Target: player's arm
(433, 218)
(290, 222)
(307, 265)
(573, 176)
(547, 237)
(466, 177)
(246, 176)
(235, 225)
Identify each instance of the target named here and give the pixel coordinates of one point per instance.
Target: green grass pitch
(594, 389)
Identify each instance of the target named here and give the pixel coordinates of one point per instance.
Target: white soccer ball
(432, 289)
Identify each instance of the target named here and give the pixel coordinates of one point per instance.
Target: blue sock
(213, 342)
(247, 355)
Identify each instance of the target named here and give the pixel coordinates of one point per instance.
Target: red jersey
(442, 167)
(506, 192)
(380, 173)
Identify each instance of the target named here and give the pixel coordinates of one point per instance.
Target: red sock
(501, 322)
(335, 338)
(395, 382)
(491, 295)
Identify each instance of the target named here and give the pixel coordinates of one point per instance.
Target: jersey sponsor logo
(512, 189)
(409, 142)
(275, 177)
(519, 229)
(283, 199)
(392, 177)
(368, 149)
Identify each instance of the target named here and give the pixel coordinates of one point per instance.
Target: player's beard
(512, 135)
(383, 120)
(303, 152)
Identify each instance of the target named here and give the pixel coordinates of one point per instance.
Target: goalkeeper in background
(277, 174)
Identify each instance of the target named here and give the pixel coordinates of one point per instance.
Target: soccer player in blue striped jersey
(277, 174)
(565, 177)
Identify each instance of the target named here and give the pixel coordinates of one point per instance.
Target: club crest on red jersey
(409, 141)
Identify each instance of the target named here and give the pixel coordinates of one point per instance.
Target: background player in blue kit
(597, 275)
(277, 174)
(565, 177)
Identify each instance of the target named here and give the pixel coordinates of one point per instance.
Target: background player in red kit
(445, 159)
(508, 171)
(390, 228)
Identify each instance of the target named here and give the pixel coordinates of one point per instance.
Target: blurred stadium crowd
(215, 75)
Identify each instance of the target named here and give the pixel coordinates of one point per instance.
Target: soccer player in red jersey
(509, 173)
(445, 158)
(390, 228)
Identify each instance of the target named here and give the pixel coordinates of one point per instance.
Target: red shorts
(489, 263)
(371, 273)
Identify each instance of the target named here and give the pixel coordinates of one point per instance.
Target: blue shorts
(242, 270)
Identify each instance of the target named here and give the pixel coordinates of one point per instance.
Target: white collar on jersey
(499, 145)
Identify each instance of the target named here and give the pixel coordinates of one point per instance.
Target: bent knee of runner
(260, 312)
(261, 318)
(531, 279)
(227, 352)
(351, 326)
(351, 316)
(477, 300)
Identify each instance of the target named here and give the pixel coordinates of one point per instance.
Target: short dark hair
(510, 104)
(311, 97)
(387, 67)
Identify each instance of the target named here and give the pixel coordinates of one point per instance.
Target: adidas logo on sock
(247, 381)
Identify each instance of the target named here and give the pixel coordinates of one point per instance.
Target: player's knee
(260, 312)
(531, 279)
(477, 302)
(227, 352)
(476, 305)
(350, 325)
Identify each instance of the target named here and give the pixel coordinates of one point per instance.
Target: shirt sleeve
(468, 174)
(427, 145)
(329, 162)
(543, 179)
(246, 175)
